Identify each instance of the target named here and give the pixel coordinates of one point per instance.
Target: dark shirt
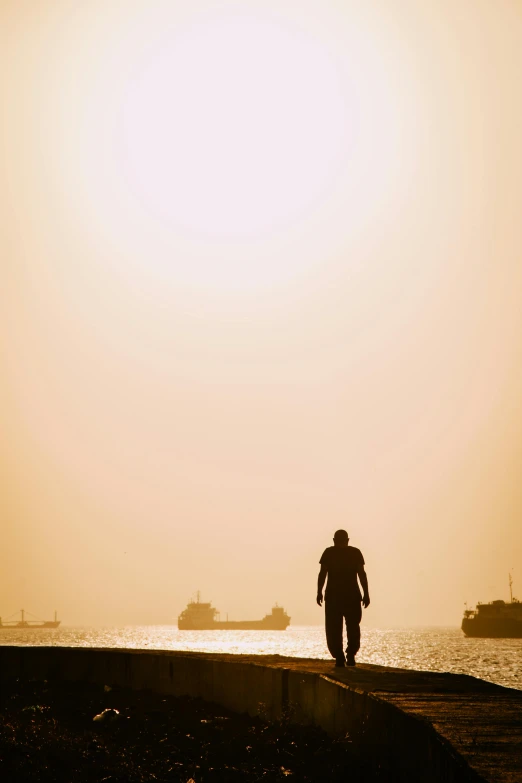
(342, 563)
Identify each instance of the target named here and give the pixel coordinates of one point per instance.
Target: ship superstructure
(201, 616)
(496, 619)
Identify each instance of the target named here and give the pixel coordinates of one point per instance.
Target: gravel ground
(47, 733)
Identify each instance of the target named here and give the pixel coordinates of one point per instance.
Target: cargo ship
(495, 620)
(9, 625)
(200, 616)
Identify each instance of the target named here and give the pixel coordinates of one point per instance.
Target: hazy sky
(261, 279)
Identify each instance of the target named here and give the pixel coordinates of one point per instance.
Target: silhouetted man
(342, 564)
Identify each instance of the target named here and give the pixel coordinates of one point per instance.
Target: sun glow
(231, 150)
(236, 130)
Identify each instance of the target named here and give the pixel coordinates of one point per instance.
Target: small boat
(9, 625)
(200, 616)
(495, 620)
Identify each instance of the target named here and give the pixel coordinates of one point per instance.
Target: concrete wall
(406, 745)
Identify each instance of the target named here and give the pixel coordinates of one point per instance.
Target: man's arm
(361, 573)
(320, 583)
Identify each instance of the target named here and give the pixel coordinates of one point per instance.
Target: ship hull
(233, 625)
(492, 629)
(26, 626)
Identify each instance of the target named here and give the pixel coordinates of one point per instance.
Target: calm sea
(429, 649)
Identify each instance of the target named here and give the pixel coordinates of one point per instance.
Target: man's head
(340, 538)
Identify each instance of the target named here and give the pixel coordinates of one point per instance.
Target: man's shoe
(339, 663)
(350, 660)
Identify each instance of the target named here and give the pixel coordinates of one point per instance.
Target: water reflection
(432, 649)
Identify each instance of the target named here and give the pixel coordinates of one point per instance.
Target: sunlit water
(428, 649)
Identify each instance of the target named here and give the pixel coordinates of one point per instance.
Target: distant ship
(199, 616)
(8, 625)
(495, 620)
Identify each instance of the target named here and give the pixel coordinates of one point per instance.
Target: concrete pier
(425, 726)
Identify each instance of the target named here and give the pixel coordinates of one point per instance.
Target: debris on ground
(48, 735)
(107, 715)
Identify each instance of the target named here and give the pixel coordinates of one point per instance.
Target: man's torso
(342, 564)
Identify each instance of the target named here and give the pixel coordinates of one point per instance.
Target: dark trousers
(336, 612)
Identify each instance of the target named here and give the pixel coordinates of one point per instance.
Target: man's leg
(333, 616)
(353, 616)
